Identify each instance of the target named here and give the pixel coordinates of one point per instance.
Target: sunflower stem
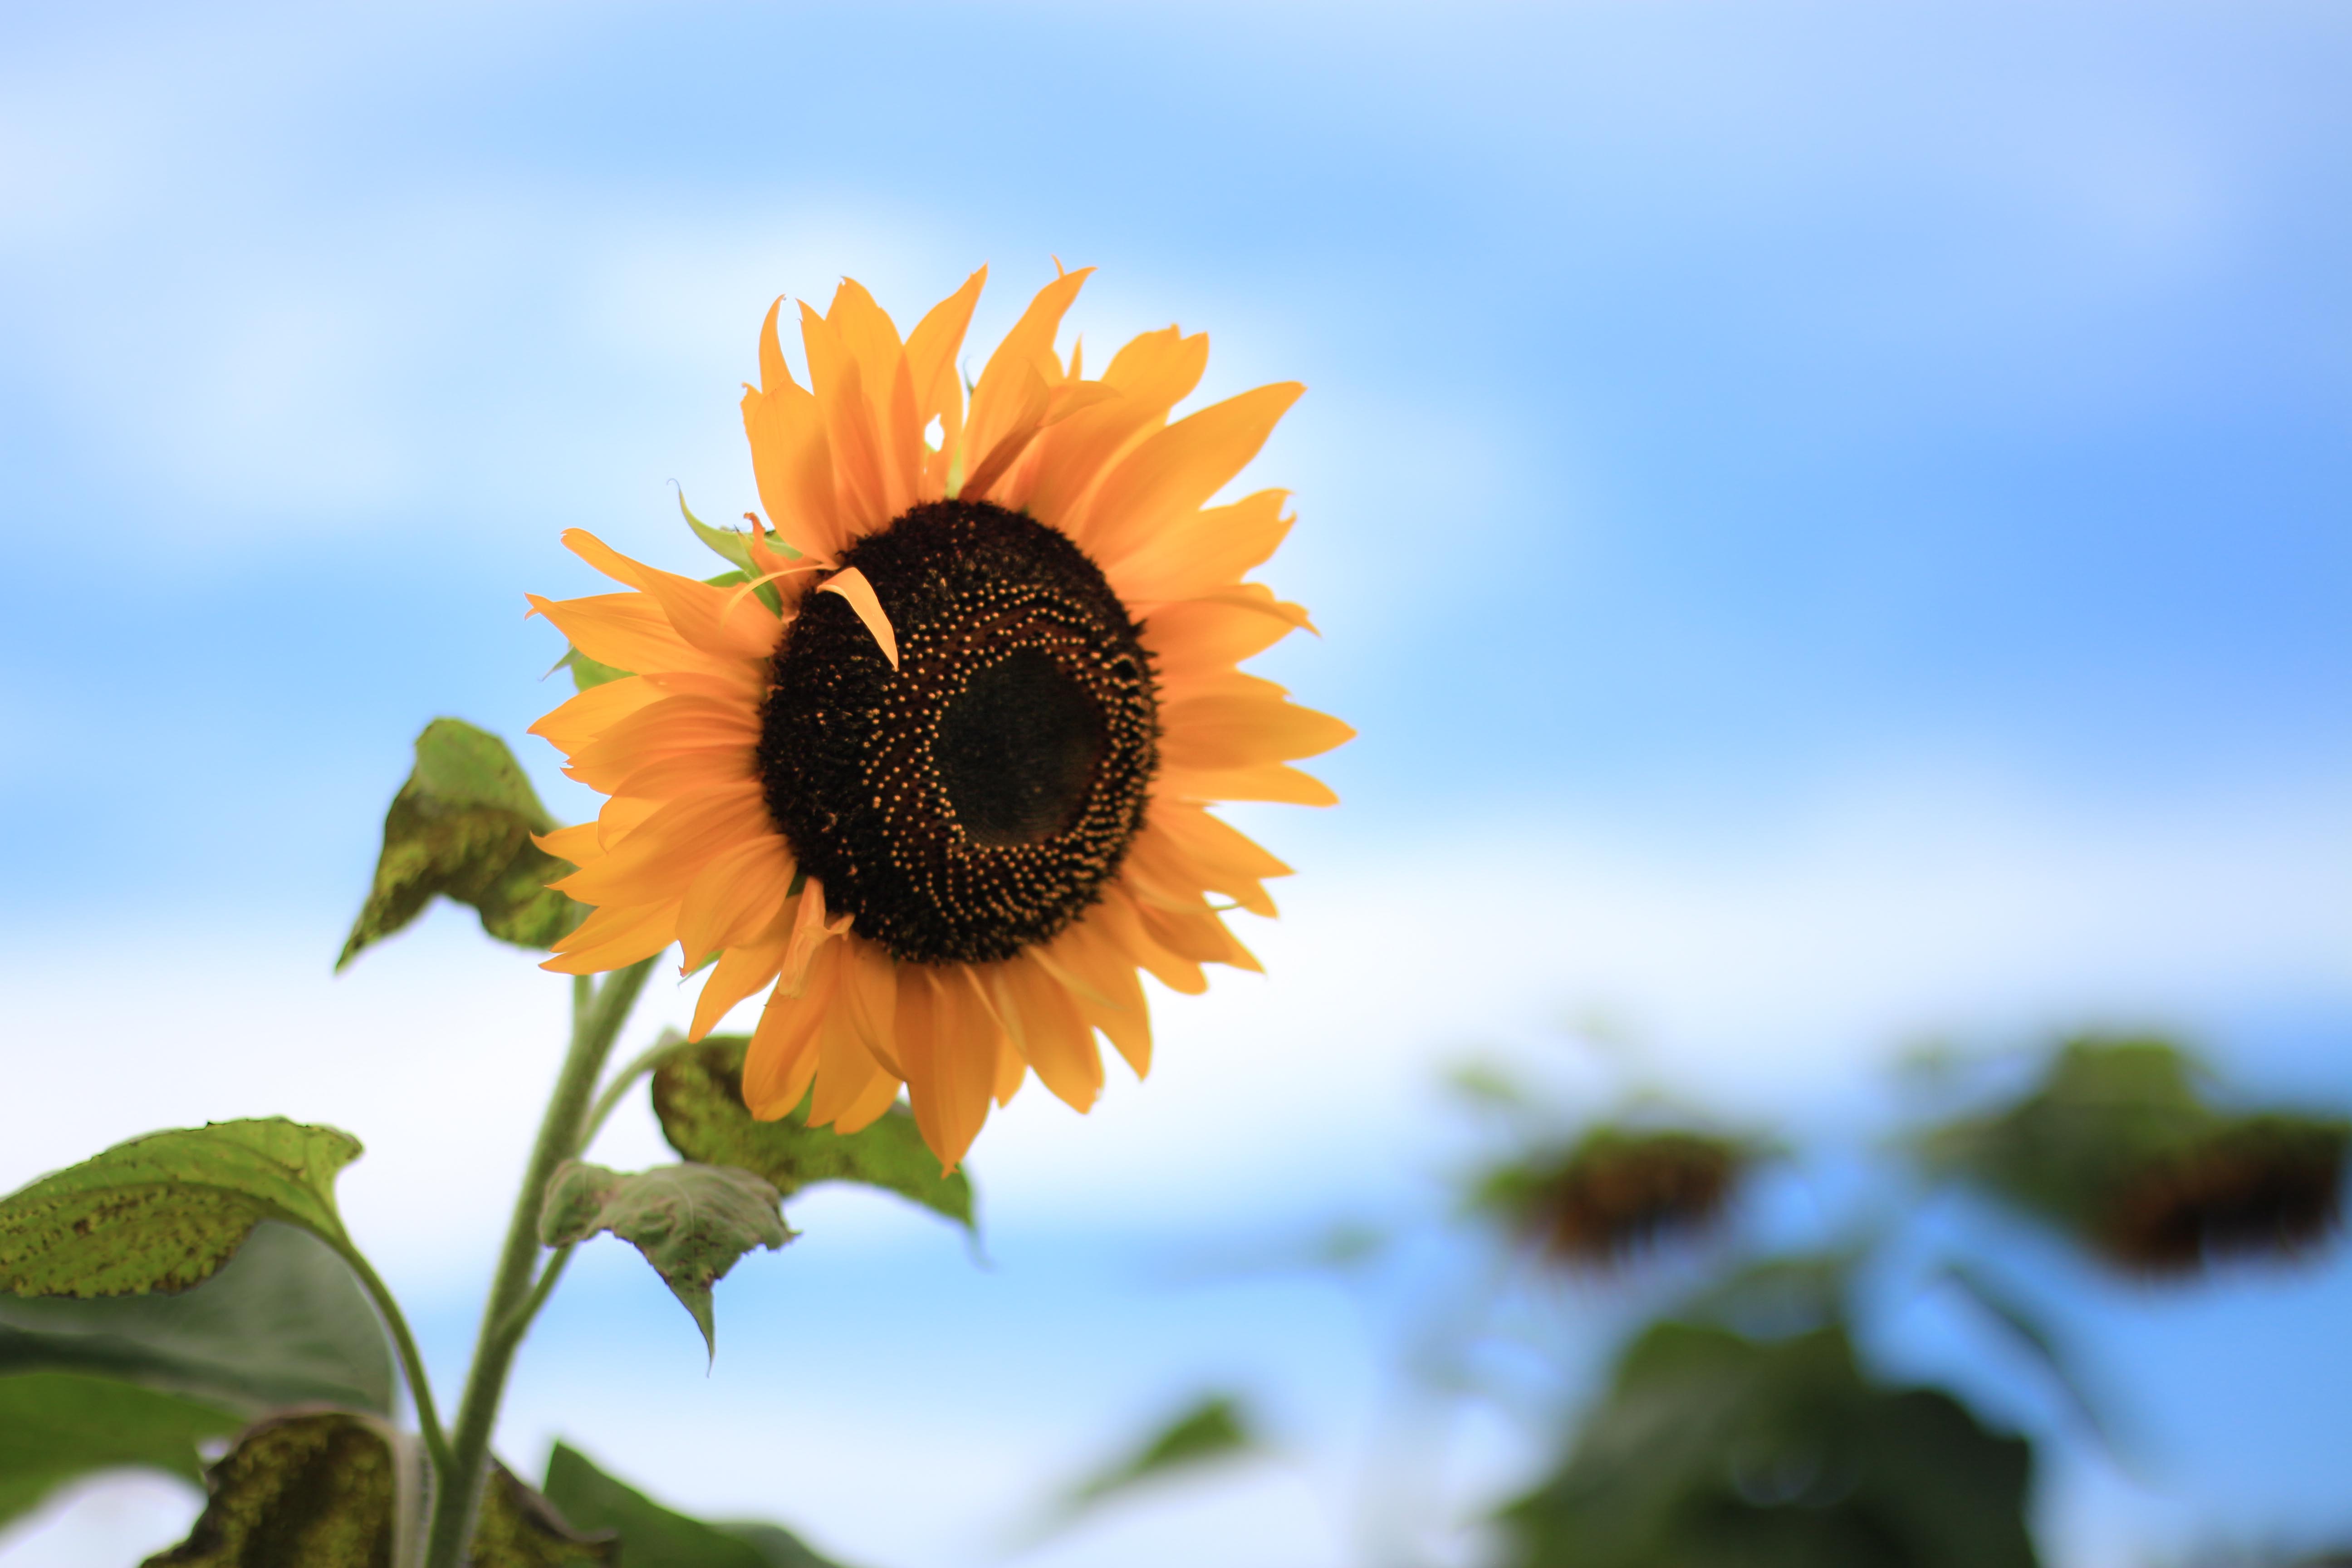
(608, 1102)
(412, 1364)
(598, 1012)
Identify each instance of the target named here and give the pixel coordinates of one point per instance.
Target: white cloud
(1760, 978)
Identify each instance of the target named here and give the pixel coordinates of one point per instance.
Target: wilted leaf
(283, 1323)
(1212, 1430)
(691, 1222)
(1711, 1449)
(162, 1212)
(698, 1095)
(56, 1427)
(323, 1490)
(650, 1533)
(461, 827)
(300, 1491)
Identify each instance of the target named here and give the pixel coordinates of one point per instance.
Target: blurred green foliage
(1713, 1449)
(2120, 1146)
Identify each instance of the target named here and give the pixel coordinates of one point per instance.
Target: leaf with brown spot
(461, 827)
(691, 1222)
(331, 1488)
(163, 1212)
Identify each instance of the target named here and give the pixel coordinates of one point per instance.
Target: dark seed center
(1017, 751)
(976, 799)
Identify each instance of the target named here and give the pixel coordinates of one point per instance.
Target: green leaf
(691, 1222)
(461, 827)
(328, 1488)
(1710, 1447)
(57, 1425)
(652, 1534)
(1212, 1430)
(163, 1212)
(698, 1095)
(283, 1323)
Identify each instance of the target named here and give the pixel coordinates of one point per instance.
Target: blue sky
(1828, 518)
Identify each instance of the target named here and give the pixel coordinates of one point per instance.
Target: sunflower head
(2266, 1185)
(2119, 1146)
(1616, 1191)
(933, 767)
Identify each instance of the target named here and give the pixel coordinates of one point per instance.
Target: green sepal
(461, 827)
(283, 1323)
(650, 1533)
(56, 1427)
(586, 672)
(698, 1095)
(165, 1211)
(691, 1222)
(733, 547)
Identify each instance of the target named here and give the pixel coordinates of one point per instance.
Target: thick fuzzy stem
(597, 1017)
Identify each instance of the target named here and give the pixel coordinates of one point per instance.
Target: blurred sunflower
(933, 769)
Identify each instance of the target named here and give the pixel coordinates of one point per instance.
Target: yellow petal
(1200, 551)
(581, 719)
(1179, 468)
(849, 431)
(1100, 978)
(930, 363)
(783, 1056)
(997, 399)
(1148, 376)
(1242, 731)
(627, 631)
(1270, 782)
(947, 1043)
(852, 586)
(1207, 636)
(1226, 859)
(790, 461)
(666, 852)
(740, 893)
(868, 335)
(738, 971)
(714, 620)
(614, 938)
(810, 932)
(870, 981)
(1050, 1032)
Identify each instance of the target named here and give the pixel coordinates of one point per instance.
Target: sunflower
(933, 768)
